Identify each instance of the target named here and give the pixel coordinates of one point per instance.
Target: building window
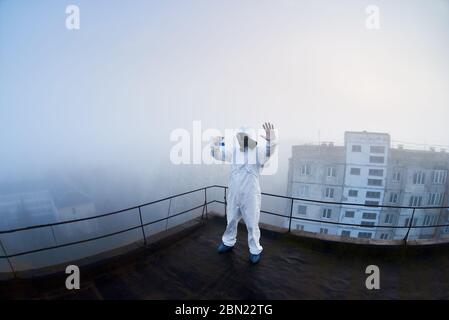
(305, 169)
(369, 215)
(407, 222)
(367, 223)
(376, 172)
(299, 227)
(439, 176)
(435, 199)
(389, 218)
(349, 214)
(434, 220)
(356, 148)
(393, 197)
(430, 220)
(355, 171)
(329, 193)
(371, 203)
(375, 182)
(419, 177)
(302, 209)
(327, 213)
(364, 235)
(376, 159)
(304, 190)
(346, 233)
(384, 236)
(373, 194)
(396, 176)
(353, 193)
(331, 172)
(415, 201)
(323, 230)
(377, 149)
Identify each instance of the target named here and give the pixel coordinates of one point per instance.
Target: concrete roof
(188, 267)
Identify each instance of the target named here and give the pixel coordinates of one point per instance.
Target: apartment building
(363, 173)
(417, 179)
(366, 156)
(317, 172)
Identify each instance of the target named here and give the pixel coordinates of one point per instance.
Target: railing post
(409, 226)
(205, 204)
(168, 215)
(225, 201)
(7, 259)
(290, 219)
(54, 236)
(143, 229)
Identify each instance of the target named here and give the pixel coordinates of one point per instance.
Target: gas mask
(245, 141)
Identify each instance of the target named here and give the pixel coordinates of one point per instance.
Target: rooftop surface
(186, 266)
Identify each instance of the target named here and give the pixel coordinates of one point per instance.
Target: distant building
(26, 208)
(368, 171)
(366, 156)
(416, 178)
(28, 203)
(317, 172)
(75, 205)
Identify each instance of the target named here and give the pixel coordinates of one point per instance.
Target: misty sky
(110, 93)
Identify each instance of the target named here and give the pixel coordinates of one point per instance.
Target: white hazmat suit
(244, 198)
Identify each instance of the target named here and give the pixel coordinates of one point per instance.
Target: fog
(95, 107)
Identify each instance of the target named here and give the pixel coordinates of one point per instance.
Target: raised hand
(269, 131)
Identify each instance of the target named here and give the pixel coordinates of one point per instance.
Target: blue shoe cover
(222, 248)
(254, 258)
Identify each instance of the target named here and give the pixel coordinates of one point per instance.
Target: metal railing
(204, 213)
(324, 202)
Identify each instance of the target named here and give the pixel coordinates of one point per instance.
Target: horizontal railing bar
(344, 223)
(348, 224)
(99, 237)
(275, 214)
(70, 243)
(224, 187)
(97, 216)
(177, 214)
(174, 196)
(66, 222)
(268, 212)
(340, 203)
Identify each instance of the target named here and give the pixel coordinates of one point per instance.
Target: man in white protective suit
(247, 159)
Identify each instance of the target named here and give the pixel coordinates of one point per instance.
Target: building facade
(362, 174)
(317, 172)
(365, 179)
